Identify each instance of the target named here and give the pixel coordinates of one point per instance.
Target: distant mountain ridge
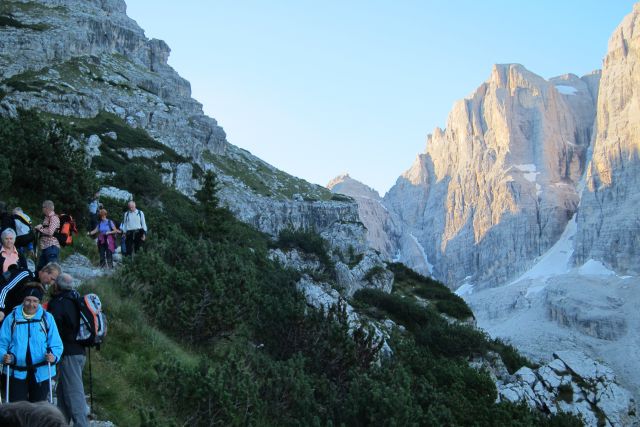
(527, 204)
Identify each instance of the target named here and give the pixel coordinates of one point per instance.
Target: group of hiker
(133, 229)
(41, 313)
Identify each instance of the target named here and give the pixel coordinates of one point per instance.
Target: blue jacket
(15, 342)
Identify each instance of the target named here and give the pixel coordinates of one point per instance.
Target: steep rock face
(382, 233)
(608, 218)
(78, 59)
(496, 188)
(89, 56)
(384, 229)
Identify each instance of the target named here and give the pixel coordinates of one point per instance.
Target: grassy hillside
(206, 330)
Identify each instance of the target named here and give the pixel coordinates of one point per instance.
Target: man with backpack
(49, 244)
(13, 287)
(135, 228)
(66, 313)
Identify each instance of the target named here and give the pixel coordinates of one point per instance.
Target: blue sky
(326, 87)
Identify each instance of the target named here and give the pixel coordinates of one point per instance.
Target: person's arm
(92, 232)
(54, 224)
(15, 280)
(22, 262)
(5, 339)
(54, 343)
(124, 223)
(143, 223)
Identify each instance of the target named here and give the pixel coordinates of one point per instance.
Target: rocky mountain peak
(505, 167)
(513, 77)
(608, 225)
(344, 184)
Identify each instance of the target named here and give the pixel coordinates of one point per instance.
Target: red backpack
(67, 229)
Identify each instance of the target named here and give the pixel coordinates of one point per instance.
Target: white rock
(616, 403)
(549, 377)
(585, 367)
(526, 375)
(92, 148)
(116, 193)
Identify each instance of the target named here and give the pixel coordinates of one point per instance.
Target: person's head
(31, 297)
(47, 207)
(131, 205)
(64, 282)
(27, 414)
(8, 238)
(49, 273)
(102, 213)
(97, 195)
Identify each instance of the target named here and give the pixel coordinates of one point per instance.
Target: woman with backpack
(30, 346)
(106, 231)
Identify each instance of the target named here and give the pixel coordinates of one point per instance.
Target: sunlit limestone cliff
(497, 186)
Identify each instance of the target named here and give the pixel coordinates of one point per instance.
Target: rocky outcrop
(497, 187)
(79, 59)
(608, 218)
(572, 383)
(385, 232)
(322, 296)
(586, 309)
(89, 56)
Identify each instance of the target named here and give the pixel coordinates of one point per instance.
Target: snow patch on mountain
(424, 254)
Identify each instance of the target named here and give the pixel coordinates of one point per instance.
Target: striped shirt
(23, 275)
(50, 225)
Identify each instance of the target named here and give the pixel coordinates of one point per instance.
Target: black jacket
(22, 262)
(11, 288)
(67, 315)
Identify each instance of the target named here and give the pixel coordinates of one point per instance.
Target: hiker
(135, 228)
(24, 232)
(9, 254)
(48, 243)
(94, 209)
(27, 414)
(11, 291)
(70, 390)
(106, 231)
(29, 342)
(6, 219)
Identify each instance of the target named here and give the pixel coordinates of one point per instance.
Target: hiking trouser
(133, 241)
(28, 389)
(48, 255)
(106, 256)
(70, 391)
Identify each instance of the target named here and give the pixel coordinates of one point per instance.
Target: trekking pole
(1, 372)
(8, 379)
(50, 385)
(90, 383)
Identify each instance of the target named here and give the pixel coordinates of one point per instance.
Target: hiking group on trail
(46, 326)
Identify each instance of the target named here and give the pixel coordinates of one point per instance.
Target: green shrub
(306, 241)
(44, 164)
(410, 282)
